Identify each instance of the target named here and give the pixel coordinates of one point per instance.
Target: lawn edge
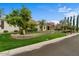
(34, 46)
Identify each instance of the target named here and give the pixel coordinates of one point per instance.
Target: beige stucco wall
(44, 28)
(8, 27)
(12, 28)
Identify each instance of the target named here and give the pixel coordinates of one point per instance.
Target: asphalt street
(66, 47)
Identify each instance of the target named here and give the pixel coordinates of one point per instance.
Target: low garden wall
(27, 36)
(31, 35)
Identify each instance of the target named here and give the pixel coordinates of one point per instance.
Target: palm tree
(42, 24)
(77, 23)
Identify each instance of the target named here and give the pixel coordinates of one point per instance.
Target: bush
(33, 30)
(66, 31)
(15, 30)
(5, 31)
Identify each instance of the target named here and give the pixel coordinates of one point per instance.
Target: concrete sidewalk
(34, 46)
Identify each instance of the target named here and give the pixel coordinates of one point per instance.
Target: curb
(33, 46)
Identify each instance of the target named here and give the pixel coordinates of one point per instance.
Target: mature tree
(13, 18)
(26, 17)
(19, 18)
(32, 25)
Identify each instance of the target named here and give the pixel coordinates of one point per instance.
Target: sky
(51, 12)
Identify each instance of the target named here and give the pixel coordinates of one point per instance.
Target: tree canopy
(20, 18)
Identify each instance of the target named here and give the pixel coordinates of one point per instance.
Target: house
(4, 26)
(38, 27)
(50, 26)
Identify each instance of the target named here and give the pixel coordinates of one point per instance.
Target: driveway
(67, 47)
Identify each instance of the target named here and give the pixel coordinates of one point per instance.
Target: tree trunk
(21, 31)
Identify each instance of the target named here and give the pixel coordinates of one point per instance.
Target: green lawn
(6, 42)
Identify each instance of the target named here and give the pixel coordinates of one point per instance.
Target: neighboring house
(58, 27)
(38, 27)
(4, 26)
(50, 26)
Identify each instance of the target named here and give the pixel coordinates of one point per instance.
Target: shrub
(15, 30)
(5, 31)
(66, 31)
(32, 30)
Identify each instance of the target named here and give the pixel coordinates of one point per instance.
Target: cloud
(64, 9)
(55, 21)
(76, 10)
(71, 14)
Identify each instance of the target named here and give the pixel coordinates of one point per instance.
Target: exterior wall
(8, 27)
(45, 28)
(38, 28)
(12, 28)
(50, 26)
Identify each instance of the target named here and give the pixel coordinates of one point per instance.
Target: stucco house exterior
(38, 27)
(50, 26)
(4, 26)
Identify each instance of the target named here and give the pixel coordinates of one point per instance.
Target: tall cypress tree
(65, 21)
(73, 23)
(77, 21)
(68, 21)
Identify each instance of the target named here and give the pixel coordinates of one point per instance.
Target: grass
(6, 42)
